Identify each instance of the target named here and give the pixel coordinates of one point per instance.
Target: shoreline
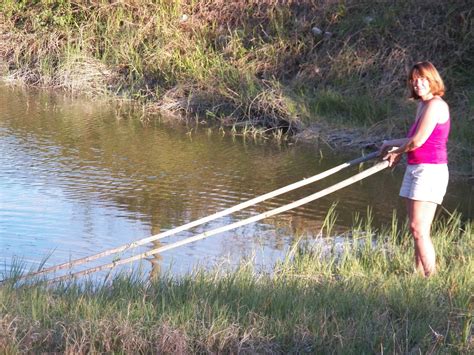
(336, 137)
(335, 70)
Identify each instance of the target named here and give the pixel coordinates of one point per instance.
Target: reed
(363, 298)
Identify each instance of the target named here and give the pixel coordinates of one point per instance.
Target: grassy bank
(336, 66)
(344, 298)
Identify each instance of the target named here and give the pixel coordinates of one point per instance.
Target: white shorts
(425, 182)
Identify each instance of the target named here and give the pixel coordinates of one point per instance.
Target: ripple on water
(75, 179)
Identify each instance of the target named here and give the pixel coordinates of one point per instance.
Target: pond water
(79, 176)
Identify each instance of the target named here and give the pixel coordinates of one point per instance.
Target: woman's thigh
(420, 213)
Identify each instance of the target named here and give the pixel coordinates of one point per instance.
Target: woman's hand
(392, 150)
(387, 152)
(392, 158)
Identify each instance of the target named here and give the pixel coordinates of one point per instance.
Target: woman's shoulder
(439, 107)
(438, 103)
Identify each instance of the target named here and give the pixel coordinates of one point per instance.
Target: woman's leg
(421, 214)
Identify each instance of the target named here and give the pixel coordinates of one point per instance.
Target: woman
(426, 177)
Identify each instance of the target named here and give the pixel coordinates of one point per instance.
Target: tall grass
(364, 298)
(258, 62)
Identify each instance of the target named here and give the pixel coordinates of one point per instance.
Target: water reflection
(78, 177)
(156, 259)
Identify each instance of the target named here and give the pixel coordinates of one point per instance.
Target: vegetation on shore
(359, 296)
(271, 64)
(276, 64)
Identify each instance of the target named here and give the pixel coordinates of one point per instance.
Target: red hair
(428, 71)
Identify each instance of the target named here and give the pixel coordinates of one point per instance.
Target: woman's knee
(419, 230)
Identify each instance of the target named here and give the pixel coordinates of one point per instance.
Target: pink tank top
(434, 150)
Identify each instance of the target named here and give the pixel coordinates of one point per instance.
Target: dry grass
(257, 62)
(361, 295)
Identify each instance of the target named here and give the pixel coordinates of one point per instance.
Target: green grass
(256, 61)
(360, 296)
(352, 110)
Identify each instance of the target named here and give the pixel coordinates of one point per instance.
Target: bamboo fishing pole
(206, 219)
(362, 175)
